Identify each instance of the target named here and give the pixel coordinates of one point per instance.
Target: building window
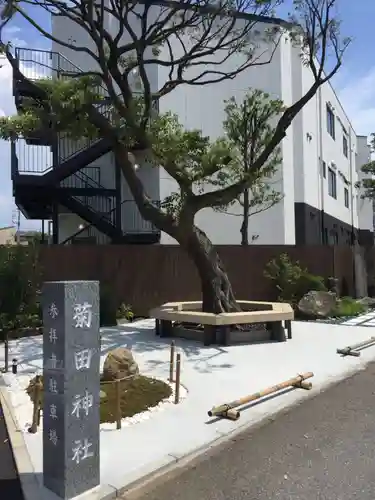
(324, 167)
(346, 197)
(345, 148)
(330, 122)
(332, 183)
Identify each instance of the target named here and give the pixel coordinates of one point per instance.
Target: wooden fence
(146, 276)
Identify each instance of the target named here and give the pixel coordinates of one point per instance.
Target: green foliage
(291, 280)
(197, 161)
(368, 184)
(64, 109)
(347, 307)
(125, 312)
(19, 287)
(249, 127)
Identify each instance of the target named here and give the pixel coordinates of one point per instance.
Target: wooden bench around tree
(218, 328)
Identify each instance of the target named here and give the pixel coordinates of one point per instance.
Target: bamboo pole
(352, 350)
(171, 361)
(39, 414)
(6, 352)
(224, 409)
(178, 378)
(118, 403)
(36, 403)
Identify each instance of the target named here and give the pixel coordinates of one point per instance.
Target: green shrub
(107, 307)
(20, 281)
(309, 282)
(347, 306)
(291, 280)
(125, 311)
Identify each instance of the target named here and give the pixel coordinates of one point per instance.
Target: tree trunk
(217, 293)
(245, 221)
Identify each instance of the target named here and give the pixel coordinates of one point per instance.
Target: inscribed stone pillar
(71, 387)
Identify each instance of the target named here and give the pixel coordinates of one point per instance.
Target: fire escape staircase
(65, 180)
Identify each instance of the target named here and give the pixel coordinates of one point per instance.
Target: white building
(321, 154)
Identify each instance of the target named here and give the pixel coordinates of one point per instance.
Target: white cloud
(12, 29)
(357, 96)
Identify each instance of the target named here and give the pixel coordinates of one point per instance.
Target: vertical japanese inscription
(71, 381)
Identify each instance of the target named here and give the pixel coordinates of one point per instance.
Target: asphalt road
(10, 487)
(323, 449)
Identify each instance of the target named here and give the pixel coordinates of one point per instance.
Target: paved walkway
(363, 320)
(323, 449)
(10, 488)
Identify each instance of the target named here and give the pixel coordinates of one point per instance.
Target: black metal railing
(38, 160)
(102, 206)
(134, 223)
(37, 64)
(41, 64)
(89, 177)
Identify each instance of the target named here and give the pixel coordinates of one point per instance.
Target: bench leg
(288, 326)
(278, 332)
(269, 328)
(209, 335)
(223, 335)
(157, 327)
(165, 329)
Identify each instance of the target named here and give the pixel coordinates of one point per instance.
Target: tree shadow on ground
(27, 351)
(140, 338)
(143, 340)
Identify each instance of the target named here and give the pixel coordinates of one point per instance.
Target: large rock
(119, 363)
(318, 304)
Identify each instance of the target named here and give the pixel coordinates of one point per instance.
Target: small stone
(119, 363)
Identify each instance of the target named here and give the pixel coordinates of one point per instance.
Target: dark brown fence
(146, 276)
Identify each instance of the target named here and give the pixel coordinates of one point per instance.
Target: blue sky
(355, 83)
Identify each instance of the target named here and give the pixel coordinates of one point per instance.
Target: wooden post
(36, 404)
(171, 362)
(288, 326)
(118, 404)
(38, 417)
(6, 352)
(178, 376)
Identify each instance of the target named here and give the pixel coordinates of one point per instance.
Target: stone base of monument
(258, 321)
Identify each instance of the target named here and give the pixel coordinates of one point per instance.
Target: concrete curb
(171, 464)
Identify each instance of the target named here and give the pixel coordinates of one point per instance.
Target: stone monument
(71, 387)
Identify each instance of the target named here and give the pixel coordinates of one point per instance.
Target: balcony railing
(37, 64)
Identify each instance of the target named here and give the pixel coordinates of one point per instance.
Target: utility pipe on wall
(321, 159)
